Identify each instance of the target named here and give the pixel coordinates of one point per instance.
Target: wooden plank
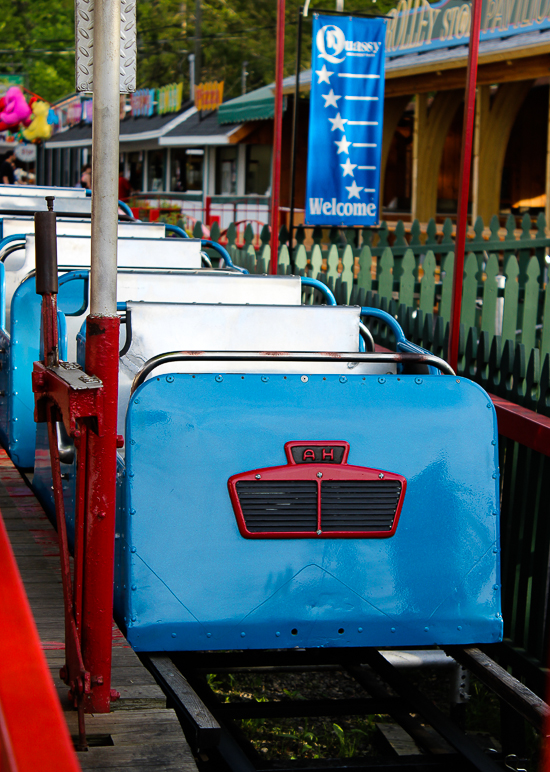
(189, 706)
(508, 688)
(156, 757)
(399, 741)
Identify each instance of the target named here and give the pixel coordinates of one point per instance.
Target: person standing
(7, 177)
(124, 186)
(86, 177)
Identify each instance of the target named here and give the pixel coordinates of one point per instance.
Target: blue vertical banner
(345, 121)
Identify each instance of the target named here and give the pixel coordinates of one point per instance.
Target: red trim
(316, 444)
(309, 472)
(33, 733)
(522, 425)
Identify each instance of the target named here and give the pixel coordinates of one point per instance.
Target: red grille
(317, 500)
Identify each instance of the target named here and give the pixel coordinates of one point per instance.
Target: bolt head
(381, 475)
(258, 477)
(319, 474)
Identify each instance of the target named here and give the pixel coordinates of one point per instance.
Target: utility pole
(244, 73)
(191, 58)
(198, 25)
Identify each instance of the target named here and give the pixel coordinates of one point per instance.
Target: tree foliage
(37, 39)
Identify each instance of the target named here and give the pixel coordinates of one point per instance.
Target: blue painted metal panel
(24, 349)
(187, 580)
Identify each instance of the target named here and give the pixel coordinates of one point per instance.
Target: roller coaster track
(212, 727)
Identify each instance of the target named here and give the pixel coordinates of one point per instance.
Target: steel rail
(283, 356)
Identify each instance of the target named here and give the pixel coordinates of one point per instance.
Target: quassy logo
(332, 38)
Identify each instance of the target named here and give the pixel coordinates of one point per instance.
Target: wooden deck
(140, 733)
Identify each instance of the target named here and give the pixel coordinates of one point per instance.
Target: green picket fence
(505, 340)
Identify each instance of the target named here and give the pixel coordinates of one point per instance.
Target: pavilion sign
(415, 25)
(209, 96)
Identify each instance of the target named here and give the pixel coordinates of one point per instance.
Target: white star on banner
(343, 145)
(323, 74)
(353, 190)
(338, 122)
(348, 168)
(331, 99)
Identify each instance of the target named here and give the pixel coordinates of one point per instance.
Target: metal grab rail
(284, 356)
(223, 253)
(318, 285)
(26, 686)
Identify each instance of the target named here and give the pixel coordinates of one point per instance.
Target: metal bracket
(75, 394)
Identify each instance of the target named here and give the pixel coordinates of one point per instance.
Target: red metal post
(102, 347)
(33, 732)
(464, 186)
(207, 212)
(277, 135)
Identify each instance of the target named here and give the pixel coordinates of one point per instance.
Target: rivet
(343, 379)
(359, 629)
(458, 380)
(173, 635)
(393, 630)
(258, 477)
(136, 401)
(132, 442)
(495, 475)
(493, 442)
(132, 511)
(134, 588)
(243, 635)
(134, 619)
(319, 474)
(381, 475)
(319, 533)
(219, 378)
(495, 514)
(304, 379)
(169, 379)
(381, 380)
(209, 635)
(495, 550)
(495, 586)
(265, 378)
(489, 405)
(134, 549)
(418, 381)
(459, 627)
(426, 629)
(277, 635)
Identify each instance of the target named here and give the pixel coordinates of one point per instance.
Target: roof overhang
(198, 140)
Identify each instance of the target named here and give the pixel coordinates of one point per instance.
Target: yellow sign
(169, 98)
(209, 96)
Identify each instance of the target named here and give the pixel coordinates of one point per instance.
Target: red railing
(33, 733)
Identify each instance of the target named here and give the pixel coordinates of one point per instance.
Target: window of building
(258, 170)
(135, 166)
(226, 171)
(156, 170)
(186, 169)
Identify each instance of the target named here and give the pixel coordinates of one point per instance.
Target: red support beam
(33, 733)
(277, 136)
(464, 186)
(102, 347)
(522, 425)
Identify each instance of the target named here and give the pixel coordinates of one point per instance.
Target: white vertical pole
(105, 139)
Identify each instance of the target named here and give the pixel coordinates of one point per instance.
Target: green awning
(256, 106)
